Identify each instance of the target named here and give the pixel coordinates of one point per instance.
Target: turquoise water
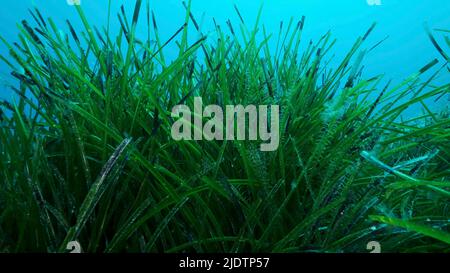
(405, 51)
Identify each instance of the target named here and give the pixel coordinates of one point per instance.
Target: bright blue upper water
(405, 51)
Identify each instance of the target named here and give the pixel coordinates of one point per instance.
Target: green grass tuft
(87, 153)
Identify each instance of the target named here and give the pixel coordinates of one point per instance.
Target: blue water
(405, 51)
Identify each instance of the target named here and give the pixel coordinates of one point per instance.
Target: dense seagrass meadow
(87, 153)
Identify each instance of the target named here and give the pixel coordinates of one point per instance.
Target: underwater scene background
(405, 49)
(86, 149)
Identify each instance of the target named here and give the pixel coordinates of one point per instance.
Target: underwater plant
(87, 153)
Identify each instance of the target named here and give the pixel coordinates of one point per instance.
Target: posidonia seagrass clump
(87, 153)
